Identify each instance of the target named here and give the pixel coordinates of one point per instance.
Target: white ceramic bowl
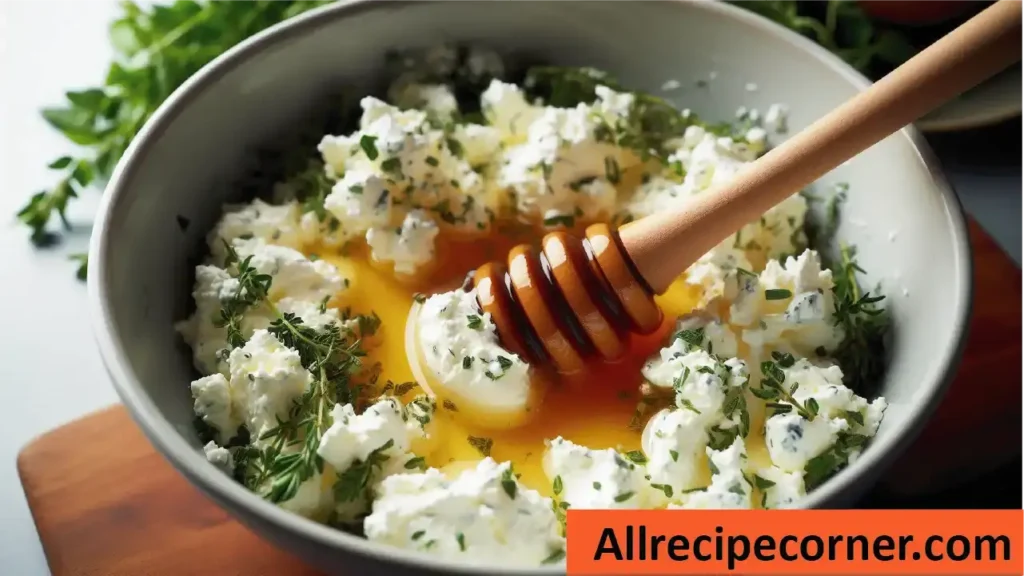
(901, 213)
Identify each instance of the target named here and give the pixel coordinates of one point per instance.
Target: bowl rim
(233, 496)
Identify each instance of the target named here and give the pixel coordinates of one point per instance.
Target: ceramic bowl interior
(901, 214)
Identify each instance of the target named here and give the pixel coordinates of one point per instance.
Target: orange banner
(795, 541)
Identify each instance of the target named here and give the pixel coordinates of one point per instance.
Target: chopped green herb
(555, 557)
(636, 456)
(483, 445)
(664, 488)
(762, 483)
(392, 166)
(369, 146)
(611, 170)
(624, 496)
(508, 483)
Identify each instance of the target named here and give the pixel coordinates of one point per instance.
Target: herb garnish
(861, 354)
(288, 455)
(483, 445)
(762, 483)
(556, 556)
(636, 456)
(780, 398)
(369, 146)
(508, 483)
(777, 294)
(155, 50)
(827, 464)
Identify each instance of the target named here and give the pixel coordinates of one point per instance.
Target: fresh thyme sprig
(332, 354)
(861, 354)
(652, 121)
(156, 48)
(253, 288)
(865, 325)
(354, 482)
(773, 388)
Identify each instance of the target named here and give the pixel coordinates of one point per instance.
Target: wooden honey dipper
(575, 300)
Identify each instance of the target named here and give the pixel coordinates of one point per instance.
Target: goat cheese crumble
(482, 516)
(460, 346)
(595, 479)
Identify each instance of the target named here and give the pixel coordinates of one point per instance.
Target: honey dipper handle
(664, 244)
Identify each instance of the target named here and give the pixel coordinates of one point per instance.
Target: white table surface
(50, 370)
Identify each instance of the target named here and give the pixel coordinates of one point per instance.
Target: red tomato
(915, 12)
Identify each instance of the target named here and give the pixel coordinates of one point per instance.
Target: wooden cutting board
(106, 504)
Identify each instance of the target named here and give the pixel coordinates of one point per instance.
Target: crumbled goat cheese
(213, 287)
(674, 438)
(673, 441)
(565, 169)
(219, 457)
(216, 405)
(360, 200)
(436, 99)
(276, 224)
(505, 107)
(304, 284)
(719, 274)
(792, 305)
(678, 367)
(294, 275)
(480, 144)
(793, 441)
(266, 378)
(786, 489)
(460, 347)
(399, 161)
(484, 516)
(595, 479)
(353, 437)
(719, 339)
(729, 489)
(834, 400)
(409, 246)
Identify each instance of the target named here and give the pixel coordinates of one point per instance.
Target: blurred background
(51, 372)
